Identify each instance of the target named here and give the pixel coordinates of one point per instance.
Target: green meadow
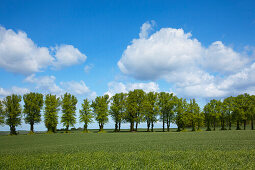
(126, 150)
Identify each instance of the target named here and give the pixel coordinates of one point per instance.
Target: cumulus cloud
(19, 54)
(67, 55)
(13, 90)
(193, 70)
(76, 87)
(47, 84)
(118, 87)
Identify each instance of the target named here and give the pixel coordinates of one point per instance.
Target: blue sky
(200, 49)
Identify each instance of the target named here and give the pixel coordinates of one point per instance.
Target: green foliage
(1, 113)
(181, 117)
(150, 109)
(131, 109)
(100, 106)
(12, 110)
(203, 150)
(167, 103)
(117, 109)
(68, 109)
(33, 103)
(86, 114)
(52, 103)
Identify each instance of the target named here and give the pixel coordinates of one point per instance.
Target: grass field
(184, 150)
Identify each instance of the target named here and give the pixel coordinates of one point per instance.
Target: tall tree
(228, 105)
(252, 111)
(207, 116)
(238, 111)
(86, 114)
(192, 113)
(117, 109)
(100, 106)
(52, 103)
(68, 109)
(33, 103)
(181, 112)
(12, 112)
(1, 113)
(139, 97)
(214, 111)
(131, 109)
(150, 109)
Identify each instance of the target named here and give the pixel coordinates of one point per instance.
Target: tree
(33, 103)
(208, 116)
(252, 110)
(239, 111)
(131, 109)
(139, 95)
(221, 108)
(181, 111)
(52, 104)
(68, 109)
(12, 110)
(192, 113)
(214, 111)
(86, 114)
(1, 113)
(117, 109)
(150, 109)
(228, 105)
(100, 106)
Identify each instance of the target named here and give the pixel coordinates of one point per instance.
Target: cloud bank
(193, 70)
(19, 54)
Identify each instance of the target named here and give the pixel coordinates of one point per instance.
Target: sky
(194, 49)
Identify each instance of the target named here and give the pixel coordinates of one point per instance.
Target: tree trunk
(119, 126)
(193, 126)
(67, 127)
(229, 125)
(214, 123)
(251, 123)
(163, 123)
(152, 125)
(85, 127)
(208, 125)
(101, 127)
(223, 125)
(32, 127)
(179, 129)
(148, 126)
(13, 130)
(244, 124)
(116, 127)
(136, 125)
(237, 125)
(131, 126)
(168, 124)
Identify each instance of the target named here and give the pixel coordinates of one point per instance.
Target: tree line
(134, 107)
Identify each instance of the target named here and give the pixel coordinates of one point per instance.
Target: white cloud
(13, 90)
(46, 84)
(163, 52)
(118, 87)
(67, 55)
(74, 87)
(222, 59)
(19, 54)
(87, 68)
(146, 28)
(192, 69)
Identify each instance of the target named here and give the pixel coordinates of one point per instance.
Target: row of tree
(134, 107)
